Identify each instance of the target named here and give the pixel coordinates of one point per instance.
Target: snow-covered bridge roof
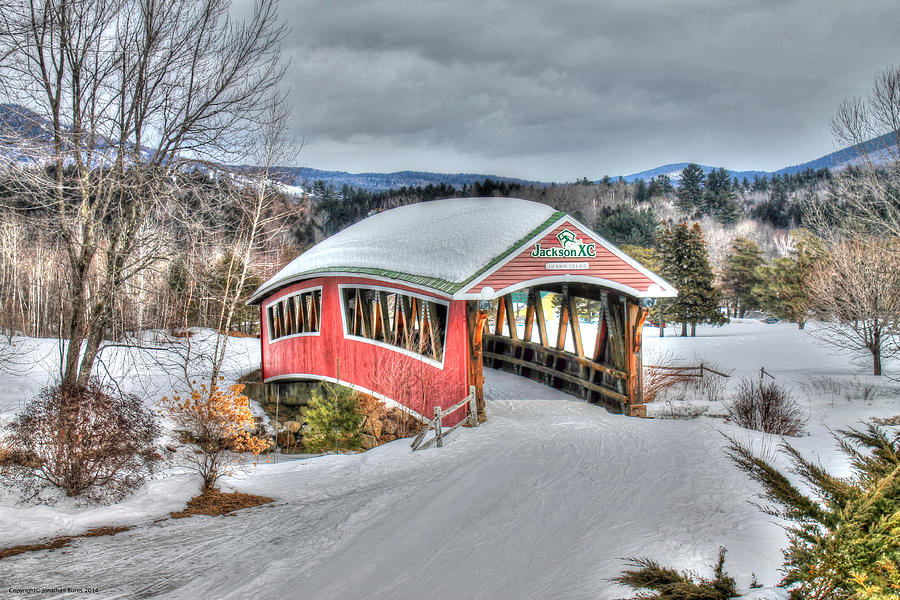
(443, 245)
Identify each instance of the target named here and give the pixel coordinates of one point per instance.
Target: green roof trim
(435, 283)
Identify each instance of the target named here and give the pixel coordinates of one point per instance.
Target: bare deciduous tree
(867, 196)
(134, 91)
(255, 208)
(856, 295)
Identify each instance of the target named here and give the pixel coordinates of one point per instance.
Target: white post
(473, 409)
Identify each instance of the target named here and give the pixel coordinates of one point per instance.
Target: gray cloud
(560, 90)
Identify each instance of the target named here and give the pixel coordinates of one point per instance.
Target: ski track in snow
(542, 501)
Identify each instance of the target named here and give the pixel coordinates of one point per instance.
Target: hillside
(385, 181)
(673, 171)
(20, 126)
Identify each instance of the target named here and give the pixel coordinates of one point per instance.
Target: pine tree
(741, 275)
(685, 264)
(719, 197)
(333, 419)
(623, 224)
(784, 291)
(843, 532)
(664, 183)
(690, 190)
(641, 194)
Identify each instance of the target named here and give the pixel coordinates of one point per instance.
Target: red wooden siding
(363, 363)
(524, 267)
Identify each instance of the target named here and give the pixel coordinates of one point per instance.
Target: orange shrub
(219, 422)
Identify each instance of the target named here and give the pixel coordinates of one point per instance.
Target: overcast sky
(558, 90)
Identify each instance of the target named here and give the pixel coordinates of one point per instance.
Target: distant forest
(626, 213)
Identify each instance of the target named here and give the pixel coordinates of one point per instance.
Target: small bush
(89, 441)
(653, 581)
(834, 389)
(219, 422)
(711, 387)
(333, 419)
(662, 380)
(682, 411)
(766, 407)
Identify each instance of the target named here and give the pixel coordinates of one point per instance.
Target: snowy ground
(542, 501)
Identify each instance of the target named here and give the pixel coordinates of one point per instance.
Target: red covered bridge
(409, 304)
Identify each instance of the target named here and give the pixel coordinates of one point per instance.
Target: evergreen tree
(741, 275)
(719, 197)
(685, 264)
(623, 224)
(648, 257)
(784, 291)
(690, 190)
(333, 419)
(760, 183)
(641, 193)
(843, 532)
(664, 184)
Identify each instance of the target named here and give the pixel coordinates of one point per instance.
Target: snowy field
(543, 501)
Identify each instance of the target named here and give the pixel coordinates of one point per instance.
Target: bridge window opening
(408, 322)
(297, 314)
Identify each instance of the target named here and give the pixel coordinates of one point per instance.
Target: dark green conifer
(741, 275)
(784, 291)
(333, 419)
(690, 190)
(685, 264)
(719, 198)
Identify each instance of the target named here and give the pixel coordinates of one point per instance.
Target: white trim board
(303, 277)
(349, 336)
(265, 313)
(668, 291)
(566, 278)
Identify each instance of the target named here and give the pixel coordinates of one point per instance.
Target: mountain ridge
(24, 124)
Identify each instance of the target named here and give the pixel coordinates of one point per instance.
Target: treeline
(776, 201)
(190, 249)
(334, 210)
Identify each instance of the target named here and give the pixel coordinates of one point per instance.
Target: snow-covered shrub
(711, 387)
(663, 381)
(834, 389)
(682, 411)
(333, 419)
(861, 390)
(844, 538)
(219, 423)
(655, 582)
(766, 407)
(824, 387)
(90, 441)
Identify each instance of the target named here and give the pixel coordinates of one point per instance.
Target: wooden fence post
(437, 427)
